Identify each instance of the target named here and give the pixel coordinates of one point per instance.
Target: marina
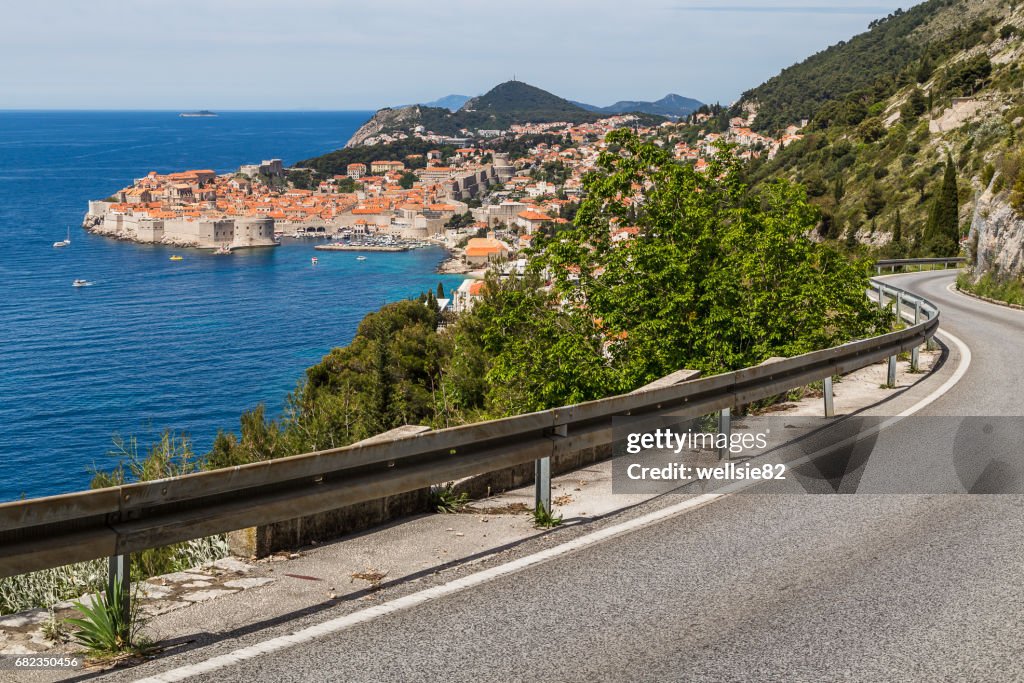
(339, 246)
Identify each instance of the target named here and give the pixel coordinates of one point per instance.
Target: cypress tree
(440, 290)
(898, 249)
(942, 232)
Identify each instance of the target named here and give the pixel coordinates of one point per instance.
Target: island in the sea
(204, 113)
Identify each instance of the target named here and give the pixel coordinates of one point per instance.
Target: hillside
(504, 105)
(872, 63)
(518, 102)
(671, 105)
(889, 109)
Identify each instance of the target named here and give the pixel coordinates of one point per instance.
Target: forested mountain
(907, 124)
(518, 102)
(874, 63)
(504, 105)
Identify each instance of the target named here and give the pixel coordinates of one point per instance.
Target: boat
(313, 260)
(360, 258)
(80, 283)
(204, 113)
(177, 258)
(64, 242)
(223, 250)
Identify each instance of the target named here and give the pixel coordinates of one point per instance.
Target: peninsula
(509, 162)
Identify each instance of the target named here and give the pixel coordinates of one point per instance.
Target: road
(748, 588)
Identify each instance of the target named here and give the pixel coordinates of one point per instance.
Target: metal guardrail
(893, 264)
(114, 522)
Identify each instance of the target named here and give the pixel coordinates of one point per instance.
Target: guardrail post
(890, 380)
(915, 353)
(119, 572)
(899, 305)
(542, 485)
(881, 296)
(830, 409)
(724, 427)
(542, 476)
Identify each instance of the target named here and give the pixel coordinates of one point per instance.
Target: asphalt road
(751, 587)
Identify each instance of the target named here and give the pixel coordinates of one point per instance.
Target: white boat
(80, 283)
(64, 242)
(314, 260)
(223, 250)
(360, 258)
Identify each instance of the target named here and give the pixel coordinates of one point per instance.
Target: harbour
(152, 343)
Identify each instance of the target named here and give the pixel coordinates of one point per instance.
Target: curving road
(754, 587)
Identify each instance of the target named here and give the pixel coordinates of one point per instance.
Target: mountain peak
(518, 102)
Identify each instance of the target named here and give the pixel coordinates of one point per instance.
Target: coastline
(453, 263)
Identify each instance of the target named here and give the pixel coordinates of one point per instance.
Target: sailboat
(64, 242)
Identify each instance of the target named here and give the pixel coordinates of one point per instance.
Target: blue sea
(156, 344)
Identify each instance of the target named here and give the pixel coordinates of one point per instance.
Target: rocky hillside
(889, 109)
(401, 122)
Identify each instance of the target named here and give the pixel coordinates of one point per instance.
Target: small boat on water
(177, 258)
(314, 261)
(223, 250)
(360, 258)
(64, 242)
(81, 283)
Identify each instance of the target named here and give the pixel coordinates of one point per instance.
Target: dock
(361, 247)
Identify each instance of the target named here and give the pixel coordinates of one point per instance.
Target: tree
(1017, 195)
(440, 290)
(407, 180)
(718, 277)
(898, 248)
(942, 230)
(839, 190)
(925, 69)
(915, 105)
(875, 201)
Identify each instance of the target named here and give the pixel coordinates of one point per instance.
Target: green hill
(873, 64)
(888, 109)
(518, 102)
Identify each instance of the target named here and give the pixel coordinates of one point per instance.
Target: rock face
(387, 120)
(999, 232)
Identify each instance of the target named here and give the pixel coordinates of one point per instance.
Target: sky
(348, 54)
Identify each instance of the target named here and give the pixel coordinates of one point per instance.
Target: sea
(156, 344)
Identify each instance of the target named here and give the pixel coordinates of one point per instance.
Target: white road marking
(311, 633)
(341, 623)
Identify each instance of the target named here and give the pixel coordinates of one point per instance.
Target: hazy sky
(345, 54)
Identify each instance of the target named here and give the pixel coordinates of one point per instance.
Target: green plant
(545, 519)
(55, 630)
(106, 628)
(444, 499)
(44, 588)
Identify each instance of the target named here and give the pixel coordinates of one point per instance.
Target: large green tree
(942, 231)
(717, 278)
